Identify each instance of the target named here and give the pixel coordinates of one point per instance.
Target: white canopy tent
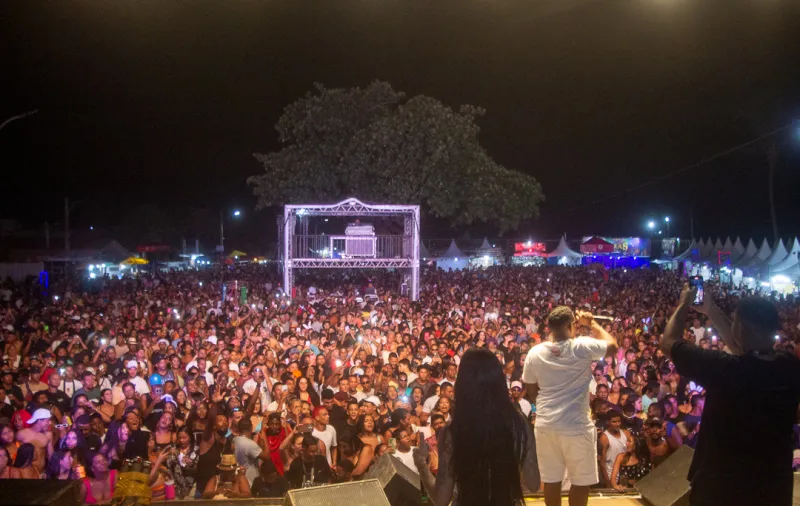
(453, 259)
(423, 252)
(790, 262)
(749, 253)
(778, 254)
(565, 254)
(738, 250)
(728, 246)
(687, 254)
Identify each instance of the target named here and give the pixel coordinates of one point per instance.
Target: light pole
(666, 220)
(236, 213)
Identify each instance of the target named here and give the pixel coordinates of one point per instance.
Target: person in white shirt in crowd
(261, 380)
(325, 433)
(69, 385)
(557, 373)
(403, 452)
(516, 395)
(139, 383)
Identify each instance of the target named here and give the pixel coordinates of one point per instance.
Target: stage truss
(406, 255)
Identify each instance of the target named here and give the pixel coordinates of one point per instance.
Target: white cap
(131, 363)
(374, 400)
(168, 398)
(516, 384)
(211, 339)
(39, 414)
(162, 340)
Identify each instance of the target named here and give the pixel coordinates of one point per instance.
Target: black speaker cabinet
(667, 485)
(356, 493)
(401, 484)
(41, 493)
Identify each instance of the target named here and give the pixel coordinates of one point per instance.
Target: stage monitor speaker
(41, 493)
(667, 485)
(399, 482)
(356, 493)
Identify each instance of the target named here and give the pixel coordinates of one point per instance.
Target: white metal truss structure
(400, 252)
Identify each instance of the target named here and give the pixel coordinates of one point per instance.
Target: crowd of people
(249, 393)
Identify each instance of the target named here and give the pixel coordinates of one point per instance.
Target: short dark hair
(560, 317)
(309, 441)
(245, 425)
(759, 313)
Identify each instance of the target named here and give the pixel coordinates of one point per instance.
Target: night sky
(164, 102)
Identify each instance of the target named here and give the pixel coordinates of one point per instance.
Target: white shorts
(572, 451)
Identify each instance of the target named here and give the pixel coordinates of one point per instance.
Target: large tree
(375, 145)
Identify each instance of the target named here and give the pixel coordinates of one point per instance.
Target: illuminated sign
(622, 246)
(529, 249)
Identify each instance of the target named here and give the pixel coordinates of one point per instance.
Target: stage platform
(596, 501)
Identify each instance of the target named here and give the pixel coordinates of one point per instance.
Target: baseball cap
(341, 396)
(131, 363)
(211, 339)
(374, 400)
(39, 414)
(516, 384)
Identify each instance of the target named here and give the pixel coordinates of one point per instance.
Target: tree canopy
(378, 146)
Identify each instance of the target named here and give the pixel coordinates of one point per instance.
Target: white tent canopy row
(776, 258)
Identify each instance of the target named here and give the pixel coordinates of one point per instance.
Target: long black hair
(488, 435)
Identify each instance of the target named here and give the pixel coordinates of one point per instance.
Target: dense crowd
(255, 392)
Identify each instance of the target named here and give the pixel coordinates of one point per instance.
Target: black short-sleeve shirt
(747, 424)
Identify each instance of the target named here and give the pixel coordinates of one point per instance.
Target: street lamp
(666, 220)
(651, 224)
(236, 213)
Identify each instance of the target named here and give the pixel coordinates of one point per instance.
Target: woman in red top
(99, 488)
(275, 433)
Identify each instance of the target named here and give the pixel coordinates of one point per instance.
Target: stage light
(237, 213)
(666, 219)
(651, 224)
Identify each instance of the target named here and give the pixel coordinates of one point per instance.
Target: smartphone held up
(697, 282)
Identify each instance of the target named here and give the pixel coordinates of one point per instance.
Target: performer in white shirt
(557, 373)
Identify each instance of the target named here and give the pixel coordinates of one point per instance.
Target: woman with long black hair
(487, 447)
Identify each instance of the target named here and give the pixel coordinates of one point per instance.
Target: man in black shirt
(311, 469)
(728, 468)
(269, 483)
(56, 396)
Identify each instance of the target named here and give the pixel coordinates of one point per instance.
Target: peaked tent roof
(708, 249)
(778, 253)
(485, 246)
(738, 250)
(764, 251)
(728, 246)
(563, 250)
(718, 244)
(687, 253)
(790, 261)
(452, 251)
(423, 251)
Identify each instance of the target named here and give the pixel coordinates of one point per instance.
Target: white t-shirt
(561, 369)
(328, 436)
(140, 385)
(699, 333)
(525, 406)
(430, 403)
(407, 459)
